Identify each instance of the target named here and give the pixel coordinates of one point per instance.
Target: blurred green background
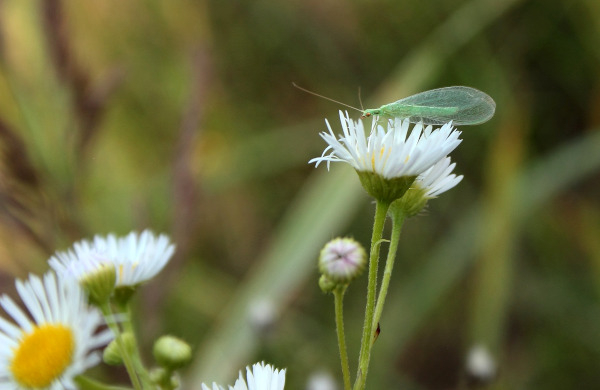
(180, 116)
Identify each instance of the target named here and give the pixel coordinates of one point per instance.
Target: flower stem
(85, 383)
(109, 317)
(136, 358)
(367, 336)
(338, 294)
(397, 222)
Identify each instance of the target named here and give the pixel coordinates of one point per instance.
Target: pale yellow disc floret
(43, 355)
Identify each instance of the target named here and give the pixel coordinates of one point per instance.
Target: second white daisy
(438, 179)
(136, 257)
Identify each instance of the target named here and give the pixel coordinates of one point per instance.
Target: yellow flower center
(43, 355)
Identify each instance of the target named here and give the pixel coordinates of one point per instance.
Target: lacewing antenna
(325, 97)
(360, 100)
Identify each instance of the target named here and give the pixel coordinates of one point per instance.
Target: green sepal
(382, 189)
(411, 204)
(122, 294)
(100, 284)
(327, 285)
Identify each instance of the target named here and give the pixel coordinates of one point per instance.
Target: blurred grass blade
(420, 66)
(493, 277)
(320, 212)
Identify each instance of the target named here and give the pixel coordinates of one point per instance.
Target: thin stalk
(85, 383)
(108, 315)
(381, 209)
(338, 295)
(137, 359)
(397, 222)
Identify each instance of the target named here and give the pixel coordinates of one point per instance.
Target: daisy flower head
(438, 179)
(136, 258)
(261, 377)
(390, 158)
(55, 342)
(428, 185)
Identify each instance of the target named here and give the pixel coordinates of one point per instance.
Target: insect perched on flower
(461, 105)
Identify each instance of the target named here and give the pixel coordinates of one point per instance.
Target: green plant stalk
(338, 295)
(85, 383)
(381, 209)
(397, 222)
(108, 316)
(137, 360)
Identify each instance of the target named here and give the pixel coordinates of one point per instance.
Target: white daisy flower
(261, 377)
(392, 152)
(54, 343)
(431, 183)
(136, 257)
(438, 179)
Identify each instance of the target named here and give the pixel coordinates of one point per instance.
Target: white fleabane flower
(438, 179)
(54, 343)
(431, 183)
(261, 377)
(389, 159)
(136, 257)
(391, 152)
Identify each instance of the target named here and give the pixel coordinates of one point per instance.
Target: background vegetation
(180, 116)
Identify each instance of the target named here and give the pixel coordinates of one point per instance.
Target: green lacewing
(461, 105)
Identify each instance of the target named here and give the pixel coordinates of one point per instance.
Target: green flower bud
(112, 353)
(171, 352)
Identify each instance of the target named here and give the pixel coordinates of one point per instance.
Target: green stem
(338, 294)
(137, 359)
(367, 336)
(397, 222)
(109, 317)
(85, 383)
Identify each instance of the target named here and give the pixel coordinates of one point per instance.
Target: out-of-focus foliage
(180, 116)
